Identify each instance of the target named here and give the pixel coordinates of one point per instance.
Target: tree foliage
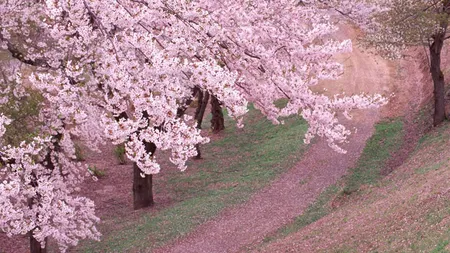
(120, 70)
(391, 26)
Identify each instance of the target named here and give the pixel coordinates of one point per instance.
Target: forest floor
(252, 182)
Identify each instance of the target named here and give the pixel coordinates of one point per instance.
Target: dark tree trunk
(437, 75)
(35, 246)
(202, 110)
(203, 100)
(182, 109)
(217, 121)
(142, 186)
(199, 104)
(122, 115)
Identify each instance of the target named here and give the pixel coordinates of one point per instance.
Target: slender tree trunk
(35, 246)
(202, 110)
(203, 100)
(437, 75)
(199, 152)
(143, 186)
(199, 104)
(217, 121)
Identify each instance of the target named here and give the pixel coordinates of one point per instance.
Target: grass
(96, 171)
(437, 136)
(79, 153)
(386, 140)
(235, 167)
(435, 166)
(23, 112)
(433, 236)
(120, 154)
(426, 229)
(409, 212)
(440, 248)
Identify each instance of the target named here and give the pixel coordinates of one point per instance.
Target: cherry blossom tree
(391, 26)
(39, 176)
(124, 69)
(277, 58)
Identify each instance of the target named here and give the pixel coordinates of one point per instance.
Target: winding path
(278, 204)
(289, 195)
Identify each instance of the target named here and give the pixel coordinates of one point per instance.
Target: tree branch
(17, 54)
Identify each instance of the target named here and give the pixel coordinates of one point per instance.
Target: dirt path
(294, 191)
(399, 210)
(285, 199)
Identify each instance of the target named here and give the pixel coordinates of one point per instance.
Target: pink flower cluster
(119, 70)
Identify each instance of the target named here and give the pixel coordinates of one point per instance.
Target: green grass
(345, 249)
(438, 136)
(120, 154)
(23, 112)
(432, 167)
(79, 153)
(386, 140)
(440, 248)
(241, 163)
(99, 173)
(431, 238)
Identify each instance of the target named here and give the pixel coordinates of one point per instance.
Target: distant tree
(391, 26)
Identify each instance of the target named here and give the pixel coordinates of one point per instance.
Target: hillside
(408, 211)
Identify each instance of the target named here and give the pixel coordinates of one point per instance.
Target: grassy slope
(234, 167)
(409, 211)
(386, 140)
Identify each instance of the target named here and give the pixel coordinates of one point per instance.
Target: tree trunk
(217, 121)
(35, 246)
(182, 109)
(142, 186)
(199, 104)
(203, 100)
(437, 75)
(201, 111)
